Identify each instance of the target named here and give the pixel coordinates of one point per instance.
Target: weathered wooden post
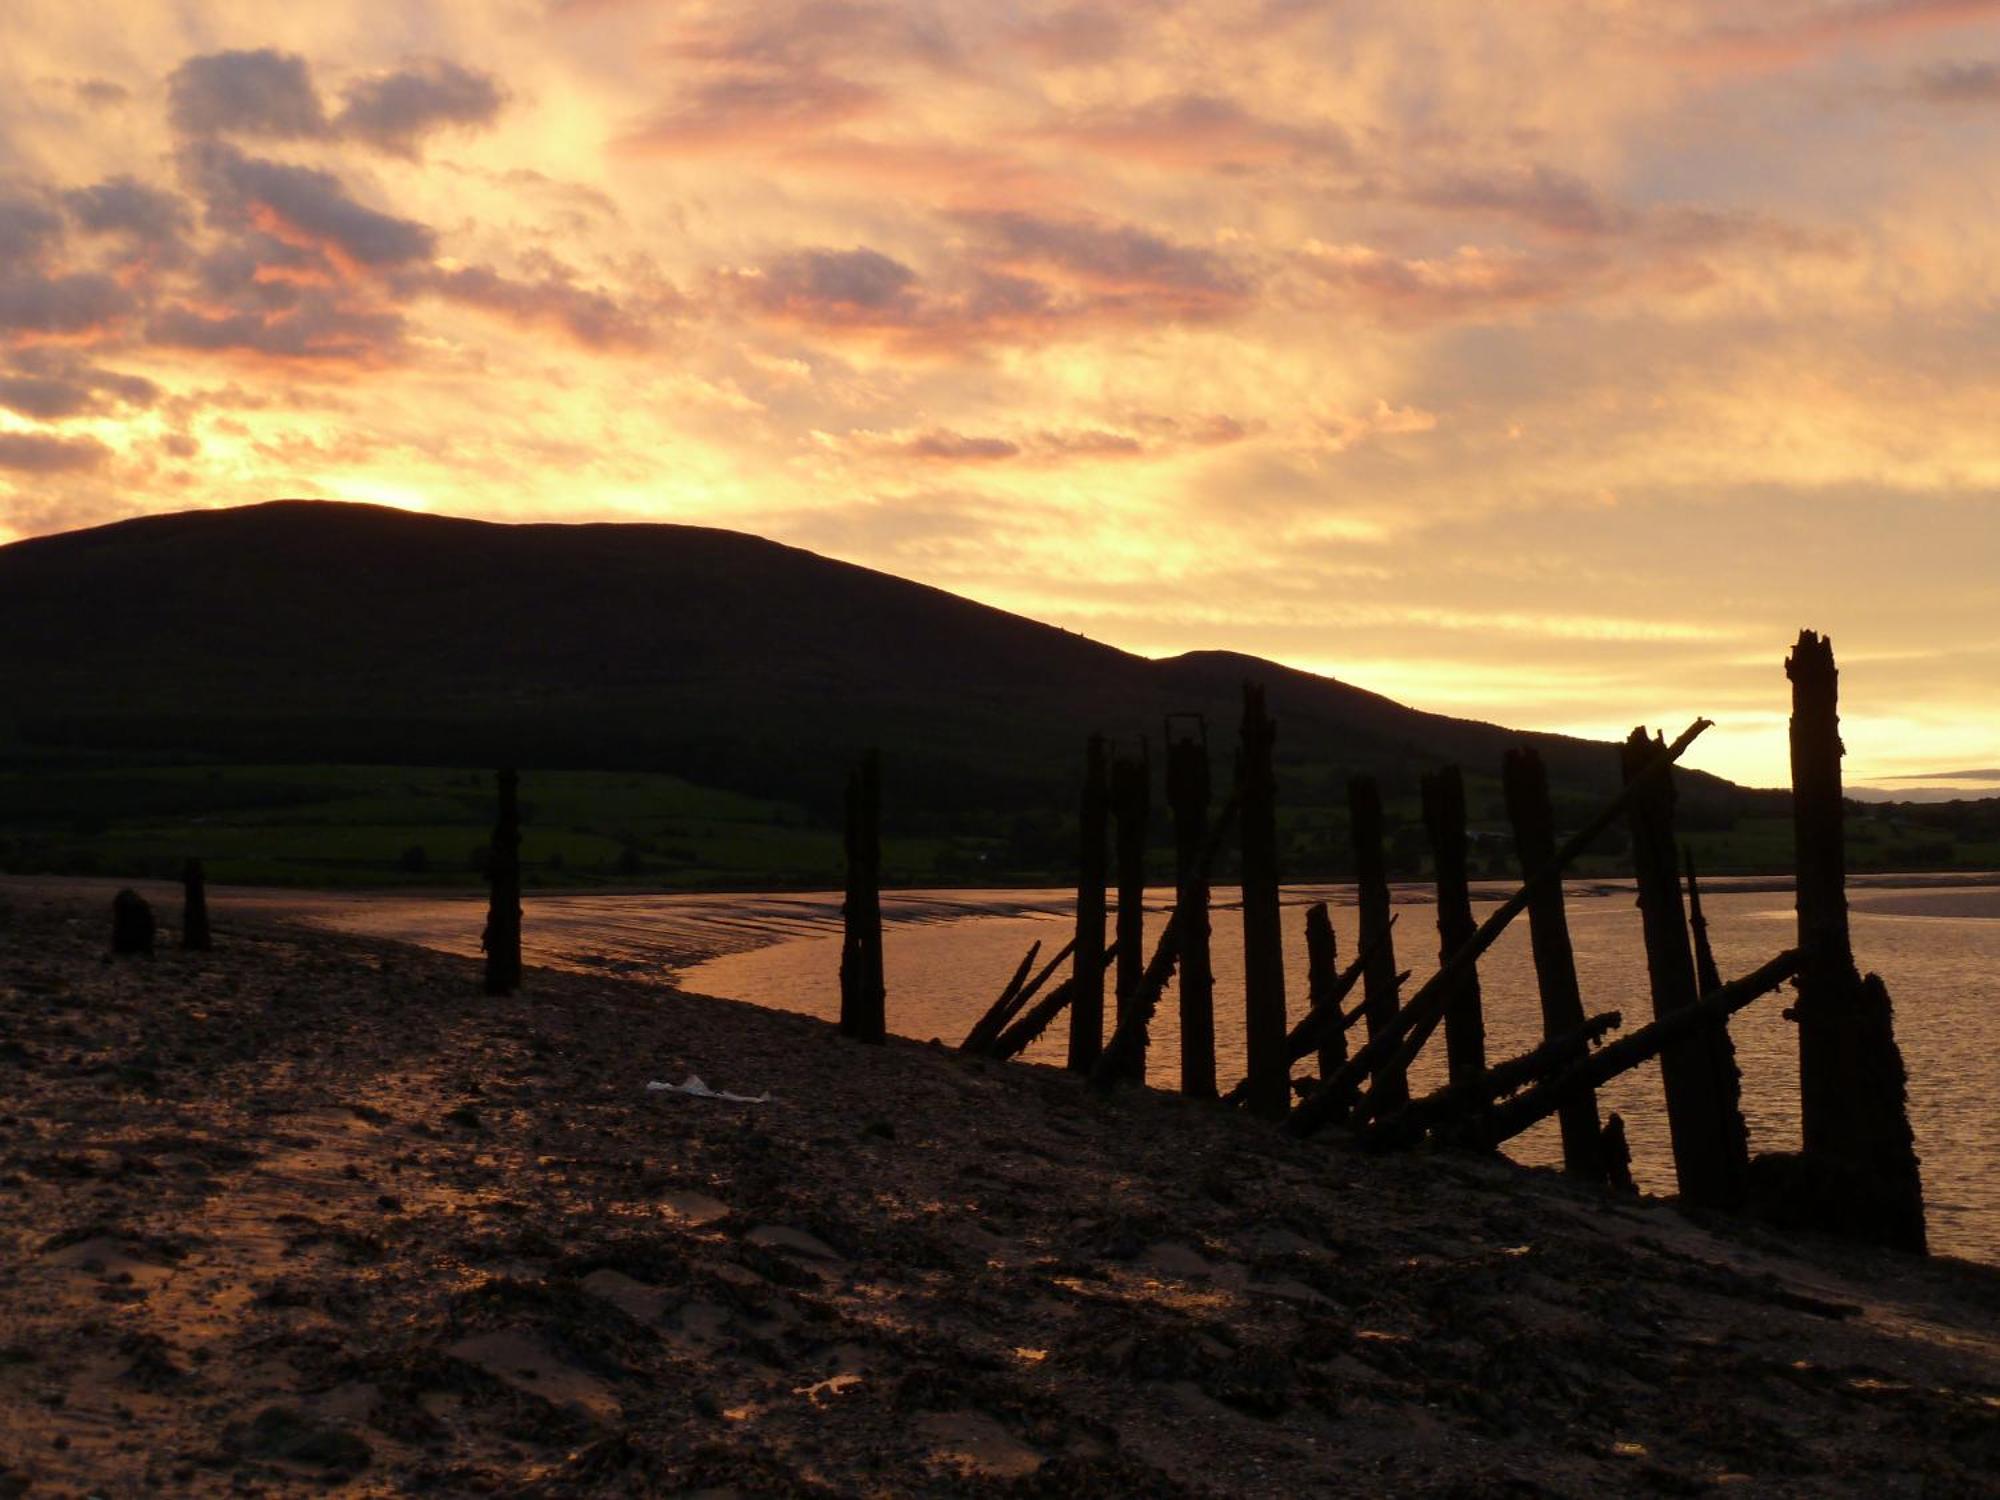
(1270, 1093)
(1086, 1006)
(1704, 1117)
(1188, 794)
(1707, 975)
(131, 923)
(1378, 986)
(502, 938)
(1852, 1087)
(1130, 806)
(1526, 785)
(1323, 983)
(863, 996)
(194, 908)
(1464, 1020)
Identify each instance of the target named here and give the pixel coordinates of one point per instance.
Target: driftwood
(1130, 1039)
(1697, 1070)
(1464, 1019)
(502, 937)
(1187, 794)
(1508, 1120)
(1263, 937)
(1086, 1017)
(195, 937)
(1002, 1010)
(1331, 1101)
(1437, 1112)
(1853, 1108)
(1526, 784)
(1028, 1027)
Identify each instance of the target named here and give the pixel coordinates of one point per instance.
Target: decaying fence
(1857, 1172)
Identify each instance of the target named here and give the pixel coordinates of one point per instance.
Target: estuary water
(1939, 950)
(948, 953)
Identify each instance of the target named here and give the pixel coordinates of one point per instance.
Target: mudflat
(309, 1214)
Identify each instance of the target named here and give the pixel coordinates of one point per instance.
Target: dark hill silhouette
(303, 630)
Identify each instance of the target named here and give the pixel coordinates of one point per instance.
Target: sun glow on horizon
(1550, 365)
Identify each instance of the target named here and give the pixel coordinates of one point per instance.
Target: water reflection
(1938, 949)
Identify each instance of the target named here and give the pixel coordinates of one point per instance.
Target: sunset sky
(1547, 362)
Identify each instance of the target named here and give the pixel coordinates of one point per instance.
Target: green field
(358, 825)
(399, 825)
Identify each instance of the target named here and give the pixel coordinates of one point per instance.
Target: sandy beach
(310, 1214)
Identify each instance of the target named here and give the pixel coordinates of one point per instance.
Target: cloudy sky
(1548, 362)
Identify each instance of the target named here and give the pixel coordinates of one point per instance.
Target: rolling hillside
(303, 632)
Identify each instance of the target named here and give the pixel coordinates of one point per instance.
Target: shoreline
(1483, 887)
(310, 1211)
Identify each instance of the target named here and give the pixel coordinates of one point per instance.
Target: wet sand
(309, 1214)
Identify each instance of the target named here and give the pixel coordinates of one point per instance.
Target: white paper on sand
(694, 1088)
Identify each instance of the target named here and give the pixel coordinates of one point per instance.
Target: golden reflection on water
(1943, 972)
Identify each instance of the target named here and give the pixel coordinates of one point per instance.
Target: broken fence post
(1188, 794)
(1706, 975)
(1130, 775)
(1698, 1071)
(1853, 1100)
(1526, 786)
(502, 937)
(1086, 1013)
(1263, 940)
(1322, 985)
(1129, 1041)
(863, 990)
(1464, 1021)
(1371, 882)
(195, 937)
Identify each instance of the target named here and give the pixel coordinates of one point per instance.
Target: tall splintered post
(502, 938)
(1527, 791)
(1086, 1011)
(863, 999)
(1270, 1093)
(1852, 1100)
(1464, 1021)
(195, 936)
(1130, 798)
(1704, 1117)
(1188, 794)
(1371, 879)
